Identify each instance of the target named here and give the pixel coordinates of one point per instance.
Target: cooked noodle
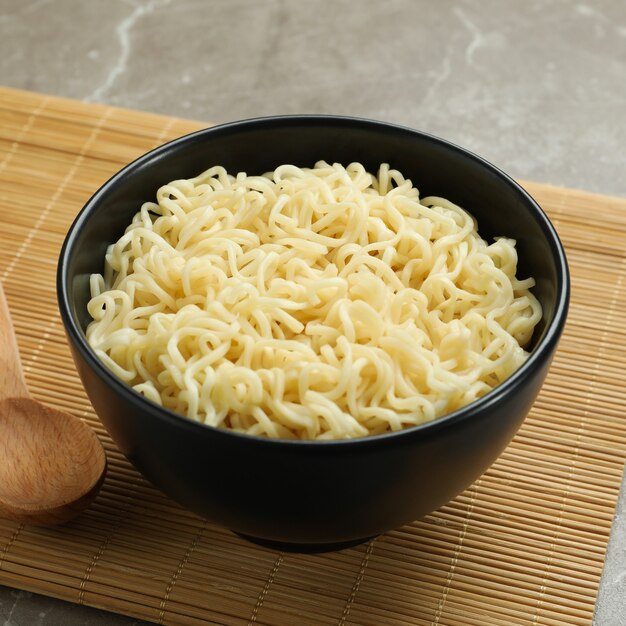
(321, 303)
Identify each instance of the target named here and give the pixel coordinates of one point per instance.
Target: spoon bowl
(52, 463)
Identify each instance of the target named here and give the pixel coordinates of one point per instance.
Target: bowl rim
(541, 351)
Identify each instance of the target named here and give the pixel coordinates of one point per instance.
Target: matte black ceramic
(312, 492)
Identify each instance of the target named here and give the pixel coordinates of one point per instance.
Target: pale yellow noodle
(310, 303)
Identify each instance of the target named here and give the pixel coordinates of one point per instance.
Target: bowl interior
(436, 167)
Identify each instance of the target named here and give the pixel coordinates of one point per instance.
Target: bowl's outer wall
(311, 493)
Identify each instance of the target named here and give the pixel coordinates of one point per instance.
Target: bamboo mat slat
(523, 545)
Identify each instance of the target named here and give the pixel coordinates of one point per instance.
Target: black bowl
(297, 493)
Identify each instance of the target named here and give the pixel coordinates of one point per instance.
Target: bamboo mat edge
(194, 124)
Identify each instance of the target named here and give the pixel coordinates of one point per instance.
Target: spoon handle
(12, 382)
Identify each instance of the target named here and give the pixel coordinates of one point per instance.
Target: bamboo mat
(524, 545)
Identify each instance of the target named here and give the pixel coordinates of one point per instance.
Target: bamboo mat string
(169, 124)
(524, 545)
(266, 587)
(122, 513)
(357, 583)
(23, 132)
(45, 336)
(457, 551)
(94, 561)
(179, 571)
(9, 543)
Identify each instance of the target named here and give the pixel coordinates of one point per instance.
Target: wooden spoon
(51, 463)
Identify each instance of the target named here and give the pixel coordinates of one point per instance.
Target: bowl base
(307, 548)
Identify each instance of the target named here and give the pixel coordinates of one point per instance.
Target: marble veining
(123, 31)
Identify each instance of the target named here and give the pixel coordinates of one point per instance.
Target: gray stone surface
(21, 608)
(537, 87)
